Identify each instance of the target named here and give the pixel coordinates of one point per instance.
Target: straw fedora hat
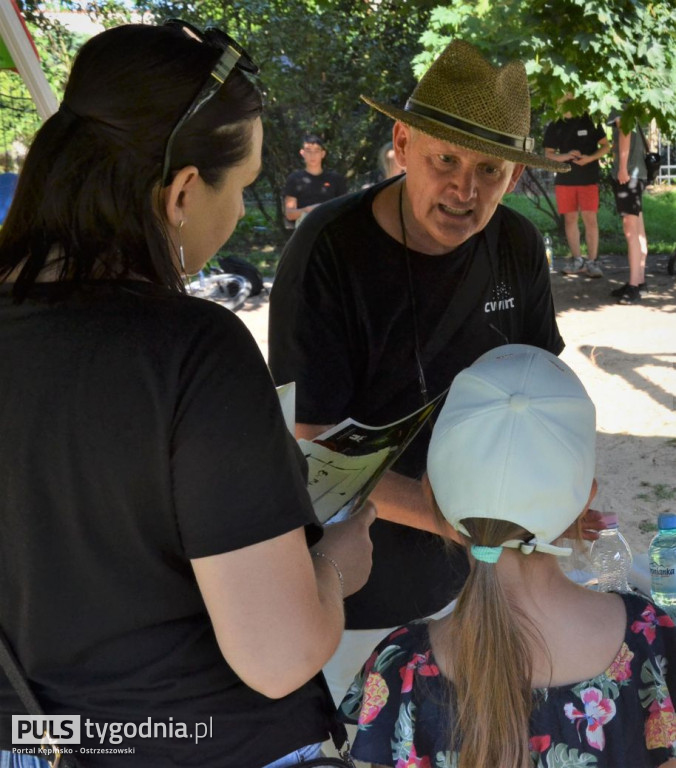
(465, 100)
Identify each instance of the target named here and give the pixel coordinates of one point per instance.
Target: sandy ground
(626, 357)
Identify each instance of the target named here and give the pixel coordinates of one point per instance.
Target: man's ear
(401, 139)
(516, 175)
(178, 195)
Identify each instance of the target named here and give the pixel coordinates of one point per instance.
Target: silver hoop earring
(181, 254)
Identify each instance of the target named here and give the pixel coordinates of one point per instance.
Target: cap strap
(524, 143)
(486, 554)
(528, 547)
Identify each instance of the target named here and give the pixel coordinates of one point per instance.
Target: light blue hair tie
(486, 554)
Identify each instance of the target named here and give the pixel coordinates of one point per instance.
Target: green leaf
(561, 756)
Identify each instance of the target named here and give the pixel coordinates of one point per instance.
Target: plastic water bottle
(611, 557)
(549, 251)
(662, 555)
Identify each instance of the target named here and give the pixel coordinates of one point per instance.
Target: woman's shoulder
(407, 648)
(396, 663)
(179, 315)
(397, 699)
(410, 639)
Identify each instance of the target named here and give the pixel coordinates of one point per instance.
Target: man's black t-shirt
(309, 189)
(139, 429)
(341, 328)
(576, 133)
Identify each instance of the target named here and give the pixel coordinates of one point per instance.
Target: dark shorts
(629, 197)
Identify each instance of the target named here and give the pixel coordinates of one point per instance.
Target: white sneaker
(577, 266)
(593, 268)
(581, 266)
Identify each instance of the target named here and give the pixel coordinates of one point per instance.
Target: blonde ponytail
(490, 648)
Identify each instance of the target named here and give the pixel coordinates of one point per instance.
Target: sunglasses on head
(233, 55)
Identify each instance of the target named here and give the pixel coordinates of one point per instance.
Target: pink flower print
(620, 669)
(419, 663)
(539, 743)
(597, 712)
(649, 621)
(660, 727)
(374, 697)
(413, 761)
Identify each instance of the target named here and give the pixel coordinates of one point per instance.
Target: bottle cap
(610, 519)
(666, 520)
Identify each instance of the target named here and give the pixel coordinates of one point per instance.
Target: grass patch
(647, 526)
(657, 492)
(659, 210)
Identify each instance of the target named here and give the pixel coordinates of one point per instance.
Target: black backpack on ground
(236, 266)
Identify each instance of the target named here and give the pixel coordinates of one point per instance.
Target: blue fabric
(12, 760)
(297, 757)
(7, 186)
(312, 751)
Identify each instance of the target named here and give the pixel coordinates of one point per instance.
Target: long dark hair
(90, 183)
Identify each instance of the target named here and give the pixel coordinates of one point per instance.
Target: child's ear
(445, 528)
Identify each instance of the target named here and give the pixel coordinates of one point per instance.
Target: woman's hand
(348, 544)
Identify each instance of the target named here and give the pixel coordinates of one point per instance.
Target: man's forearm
(400, 499)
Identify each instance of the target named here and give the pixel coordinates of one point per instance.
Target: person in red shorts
(576, 140)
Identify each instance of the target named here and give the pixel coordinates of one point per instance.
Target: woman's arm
(277, 611)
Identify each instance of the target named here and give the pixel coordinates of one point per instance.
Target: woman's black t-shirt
(139, 429)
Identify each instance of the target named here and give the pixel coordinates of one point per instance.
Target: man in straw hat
(383, 296)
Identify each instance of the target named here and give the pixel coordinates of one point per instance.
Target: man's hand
(584, 160)
(589, 526)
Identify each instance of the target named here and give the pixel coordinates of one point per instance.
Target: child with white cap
(530, 669)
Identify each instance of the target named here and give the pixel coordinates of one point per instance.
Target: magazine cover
(346, 461)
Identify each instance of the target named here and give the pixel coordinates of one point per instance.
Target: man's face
(452, 192)
(313, 155)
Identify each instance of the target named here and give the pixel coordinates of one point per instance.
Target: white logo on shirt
(501, 299)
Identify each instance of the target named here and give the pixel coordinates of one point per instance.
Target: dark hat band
(525, 144)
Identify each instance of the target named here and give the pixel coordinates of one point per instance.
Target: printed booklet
(346, 461)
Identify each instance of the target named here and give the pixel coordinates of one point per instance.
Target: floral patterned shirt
(622, 718)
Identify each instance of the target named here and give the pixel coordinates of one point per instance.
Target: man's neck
(314, 171)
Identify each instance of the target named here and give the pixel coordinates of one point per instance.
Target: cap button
(519, 402)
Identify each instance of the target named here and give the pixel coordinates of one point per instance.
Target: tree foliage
(611, 54)
(316, 58)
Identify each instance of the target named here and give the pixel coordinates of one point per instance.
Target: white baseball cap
(515, 441)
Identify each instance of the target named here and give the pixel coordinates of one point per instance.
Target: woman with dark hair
(530, 670)
(156, 568)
